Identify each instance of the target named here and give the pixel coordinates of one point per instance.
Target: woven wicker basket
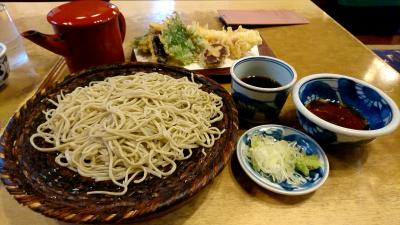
(35, 180)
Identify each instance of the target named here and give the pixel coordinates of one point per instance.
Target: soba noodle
(127, 127)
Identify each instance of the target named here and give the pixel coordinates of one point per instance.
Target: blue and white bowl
(4, 66)
(316, 177)
(257, 104)
(374, 105)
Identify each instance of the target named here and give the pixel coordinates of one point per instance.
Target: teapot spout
(52, 43)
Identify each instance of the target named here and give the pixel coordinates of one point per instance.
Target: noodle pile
(128, 127)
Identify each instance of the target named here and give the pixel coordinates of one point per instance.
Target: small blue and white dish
(257, 104)
(378, 109)
(313, 181)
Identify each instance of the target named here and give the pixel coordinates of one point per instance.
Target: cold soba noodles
(128, 127)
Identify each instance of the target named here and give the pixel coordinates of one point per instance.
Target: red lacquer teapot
(87, 33)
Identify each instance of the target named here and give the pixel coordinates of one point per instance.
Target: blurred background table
(364, 183)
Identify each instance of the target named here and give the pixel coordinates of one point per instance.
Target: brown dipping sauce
(338, 114)
(263, 82)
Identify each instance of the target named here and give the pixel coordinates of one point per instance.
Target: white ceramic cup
(257, 104)
(4, 67)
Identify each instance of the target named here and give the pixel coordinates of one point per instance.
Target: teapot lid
(82, 13)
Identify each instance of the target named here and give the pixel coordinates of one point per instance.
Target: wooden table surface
(364, 182)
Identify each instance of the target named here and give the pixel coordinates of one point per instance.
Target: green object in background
(369, 2)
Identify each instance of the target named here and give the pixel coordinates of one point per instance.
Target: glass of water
(9, 35)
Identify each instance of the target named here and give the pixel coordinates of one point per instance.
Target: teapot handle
(122, 25)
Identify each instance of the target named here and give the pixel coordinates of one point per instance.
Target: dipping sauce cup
(375, 107)
(260, 86)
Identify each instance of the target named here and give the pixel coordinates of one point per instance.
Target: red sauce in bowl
(338, 114)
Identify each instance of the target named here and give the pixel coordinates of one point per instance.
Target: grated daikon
(276, 159)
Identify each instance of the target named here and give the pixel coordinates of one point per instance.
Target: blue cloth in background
(391, 57)
(369, 3)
